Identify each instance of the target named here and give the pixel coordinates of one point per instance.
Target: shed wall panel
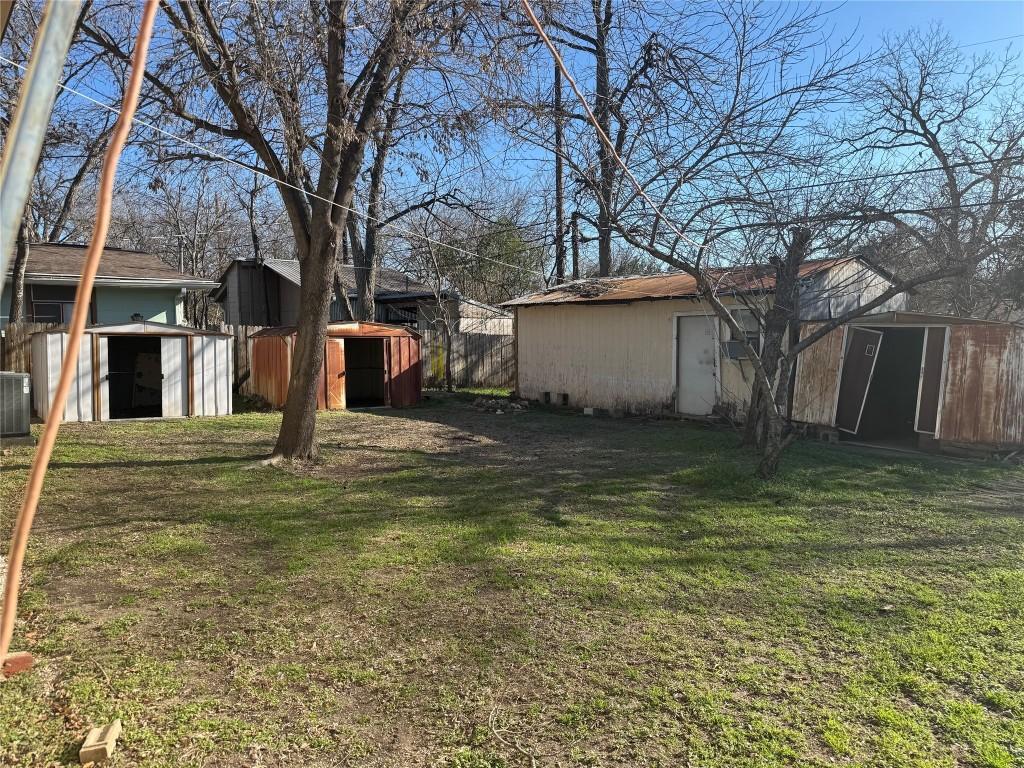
(174, 368)
(616, 356)
(983, 396)
(404, 364)
(40, 377)
(48, 350)
(817, 377)
(103, 356)
(211, 375)
(271, 368)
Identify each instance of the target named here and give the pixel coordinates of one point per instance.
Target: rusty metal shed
(365, 365)
(917, 379)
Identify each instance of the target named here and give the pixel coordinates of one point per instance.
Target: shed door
(404, 377)
(174, 370)
(334, 362)
(696, 363)
(103, 376)
(930, 386)
(858, 367)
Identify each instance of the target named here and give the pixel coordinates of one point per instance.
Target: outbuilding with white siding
(136, 370)
(652, 344)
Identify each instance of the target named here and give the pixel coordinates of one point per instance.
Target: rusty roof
(341, 330)
(666, 285)
(61, 263)
(909, 317)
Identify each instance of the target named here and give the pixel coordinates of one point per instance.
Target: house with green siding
(129, 284)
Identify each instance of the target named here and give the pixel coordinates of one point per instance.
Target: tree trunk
(448, 378)
(559, 210)
(602, 111)
(17, 309)
(575, 246)
(770, 419)
(296, 440)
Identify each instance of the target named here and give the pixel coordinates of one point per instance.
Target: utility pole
(559, 211)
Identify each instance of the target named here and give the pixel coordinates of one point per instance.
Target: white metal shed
(136, 370)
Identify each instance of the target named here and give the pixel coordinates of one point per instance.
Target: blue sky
(968, 21)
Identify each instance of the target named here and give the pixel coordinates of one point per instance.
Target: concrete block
(99, 745)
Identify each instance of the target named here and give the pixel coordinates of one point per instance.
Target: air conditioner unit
(733, 350)
(15, 404)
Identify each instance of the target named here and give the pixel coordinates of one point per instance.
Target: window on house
(747, 320)
(53, 304)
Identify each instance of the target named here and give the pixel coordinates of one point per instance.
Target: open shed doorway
(890, 407)
(135, 378)
(365, 373)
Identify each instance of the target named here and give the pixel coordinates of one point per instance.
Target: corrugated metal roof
(906, 317)
(61, 262)
(353, 328)
(145, 327)
(667, 285)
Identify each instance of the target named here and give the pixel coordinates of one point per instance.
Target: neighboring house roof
(669, 285)
(485, 308)
(389, 281)
(61, 264)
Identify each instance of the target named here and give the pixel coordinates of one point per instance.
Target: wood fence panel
(16, 349)
(242, 353)
(478, 360)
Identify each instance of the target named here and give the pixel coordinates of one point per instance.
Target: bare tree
(296, 92)
(72, 148)
(915, 107)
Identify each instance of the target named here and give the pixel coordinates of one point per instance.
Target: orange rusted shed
(362, 374)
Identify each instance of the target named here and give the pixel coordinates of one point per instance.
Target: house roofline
(124, 282)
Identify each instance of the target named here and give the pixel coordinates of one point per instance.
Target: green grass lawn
(457, 588)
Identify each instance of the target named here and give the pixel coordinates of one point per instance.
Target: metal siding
(616, 356)
(227, 377)
(271, 361)
(334, 361)
(817, 377)
(211, 375)
(405, 371)
(174, 367)
(40, 371)
(208, 382)
(48, 355)
(848, 286)
(104, 377)
(983, 396)
(270, 368)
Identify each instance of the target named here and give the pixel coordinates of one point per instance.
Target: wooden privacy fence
(478, 359)
(242, 350)
(16, 349)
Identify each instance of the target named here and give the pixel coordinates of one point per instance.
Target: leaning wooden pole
(23, 524)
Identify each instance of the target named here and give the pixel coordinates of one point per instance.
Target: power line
(276, 181)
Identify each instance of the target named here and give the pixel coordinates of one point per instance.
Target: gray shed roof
(389, 281)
